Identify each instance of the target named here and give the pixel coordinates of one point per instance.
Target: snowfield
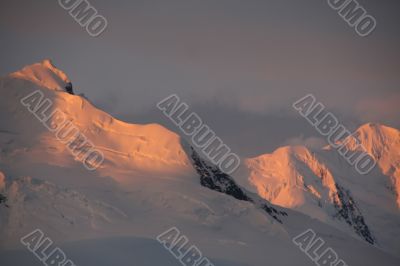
(151, 181)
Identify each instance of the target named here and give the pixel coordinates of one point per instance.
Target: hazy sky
(239, 64)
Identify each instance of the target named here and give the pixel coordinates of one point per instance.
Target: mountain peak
(47, 63)
(43, 74)
(376, 128)
(376, 140)
(147, 148)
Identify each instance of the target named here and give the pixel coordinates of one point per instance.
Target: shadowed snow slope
(149, 183)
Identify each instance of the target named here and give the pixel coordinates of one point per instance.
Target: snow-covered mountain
(152, 180)
(321, 184)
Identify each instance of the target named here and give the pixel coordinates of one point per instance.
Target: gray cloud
(251, 58)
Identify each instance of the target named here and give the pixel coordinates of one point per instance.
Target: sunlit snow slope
(150, 182)
(321, 184)
(126, 147)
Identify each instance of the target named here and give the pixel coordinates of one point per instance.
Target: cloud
(310, 142)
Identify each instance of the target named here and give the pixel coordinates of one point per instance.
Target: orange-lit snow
(303, 179)
(48, 189)
(126, 147)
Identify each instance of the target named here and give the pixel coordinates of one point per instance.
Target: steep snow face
(290, 175)
(294, 178)
(126, 147)
(323, 185)
(383, 144)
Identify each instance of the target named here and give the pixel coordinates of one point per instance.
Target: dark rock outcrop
(213, 178)
(69, 89)
(348, 211)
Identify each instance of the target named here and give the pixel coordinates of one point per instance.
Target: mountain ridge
(148, 173)
(323, 185)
